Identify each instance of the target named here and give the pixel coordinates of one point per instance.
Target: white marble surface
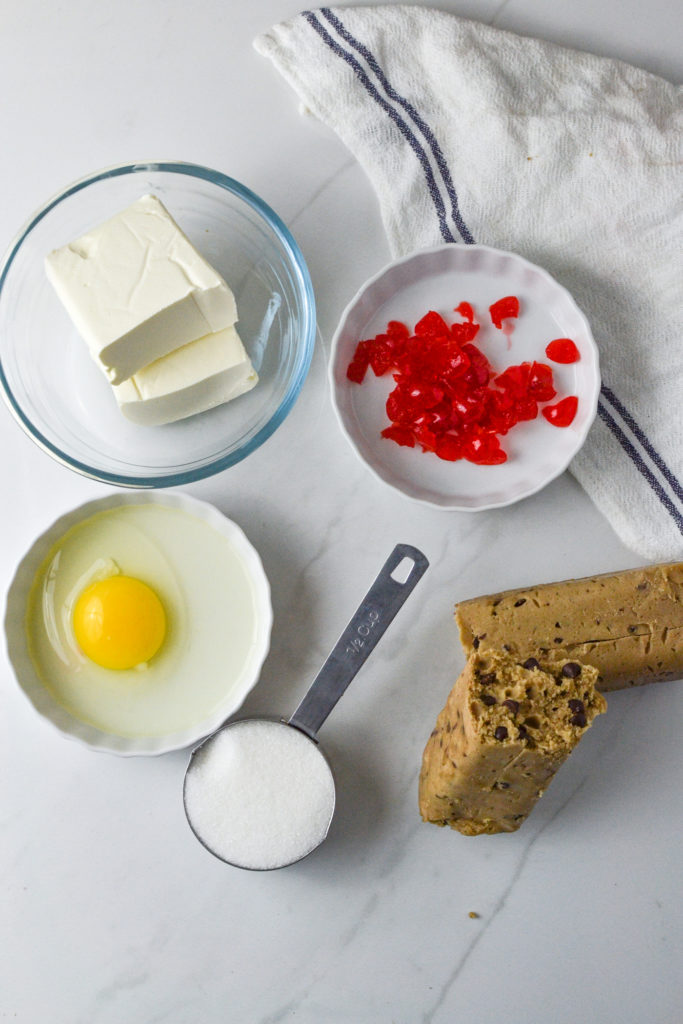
(111, 911)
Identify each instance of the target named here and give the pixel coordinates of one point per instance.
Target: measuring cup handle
(376, 611)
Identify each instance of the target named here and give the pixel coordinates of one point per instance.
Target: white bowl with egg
(218, 617)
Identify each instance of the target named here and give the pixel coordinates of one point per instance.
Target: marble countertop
(111, 911)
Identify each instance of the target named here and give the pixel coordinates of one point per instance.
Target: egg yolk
(119, 622)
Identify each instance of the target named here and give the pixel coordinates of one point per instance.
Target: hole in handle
(403, 570)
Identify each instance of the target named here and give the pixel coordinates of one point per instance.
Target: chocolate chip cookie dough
(628, 625)
(505, 730)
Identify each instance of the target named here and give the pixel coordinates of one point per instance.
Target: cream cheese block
(136, 289)
(200, 375)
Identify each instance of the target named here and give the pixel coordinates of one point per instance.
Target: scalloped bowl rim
(385, 477)
(25, 673)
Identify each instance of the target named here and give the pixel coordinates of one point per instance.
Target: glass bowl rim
(304, 356)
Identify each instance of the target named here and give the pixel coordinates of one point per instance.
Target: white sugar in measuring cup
(259, 793)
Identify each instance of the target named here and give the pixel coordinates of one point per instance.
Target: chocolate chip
(521, 731)
(501, 785)
(475, 643)
(530, 663)
(579, 719)
(576, 705)
(571, 670)
(558, 640)
(518, 604)
(501, 733)
(557, 625)
(513, 705)
(488, 699)
(506, 647)
(487, 679)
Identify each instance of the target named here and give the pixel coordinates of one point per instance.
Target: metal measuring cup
(376, 611)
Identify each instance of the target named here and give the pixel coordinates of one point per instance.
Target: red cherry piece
(431, 325)
(502, 414)
(361, 360)
(401, 435)
(526, 409)
(480, 369)
(563, 412)
(541, 382)
(450, 361)
(426, 438)
(503, 309)
(396, 329)
(448, 448)
(515, 380)
(446, 398)
(464, 332)
(465, 310)
(562, 350)
(484, 450)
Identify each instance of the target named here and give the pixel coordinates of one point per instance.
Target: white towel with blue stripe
(472, 134)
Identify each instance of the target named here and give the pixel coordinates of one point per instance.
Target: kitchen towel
(472, 134)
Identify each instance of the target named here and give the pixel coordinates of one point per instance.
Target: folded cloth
(471, 134)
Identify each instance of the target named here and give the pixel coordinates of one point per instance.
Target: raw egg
(119, 622)
(142, 620)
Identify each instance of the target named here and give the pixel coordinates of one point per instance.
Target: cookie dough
(504, 732)
(628, 625)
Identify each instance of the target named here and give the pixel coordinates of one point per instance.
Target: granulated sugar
(259, 794)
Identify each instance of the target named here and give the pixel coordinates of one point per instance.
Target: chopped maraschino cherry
(484, 450)
(401, 435)
(504, 309)
(563, 412)
(358, 366)
(466, 311)
(446, 398)
(562, 350)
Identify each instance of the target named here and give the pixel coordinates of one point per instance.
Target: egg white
(209, 605)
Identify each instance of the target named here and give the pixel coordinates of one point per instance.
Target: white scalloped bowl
(440, 279)
(203, 713)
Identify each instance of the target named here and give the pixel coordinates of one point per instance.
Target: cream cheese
(136, 289)
(200, 375)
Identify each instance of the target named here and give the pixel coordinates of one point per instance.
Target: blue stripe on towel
(415, 117)
(640, 464)
(608, 398)
(398, 120)
(644, 441)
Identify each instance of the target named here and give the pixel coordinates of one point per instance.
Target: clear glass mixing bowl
(63, 400)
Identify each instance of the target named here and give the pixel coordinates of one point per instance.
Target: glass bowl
(63, 400)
